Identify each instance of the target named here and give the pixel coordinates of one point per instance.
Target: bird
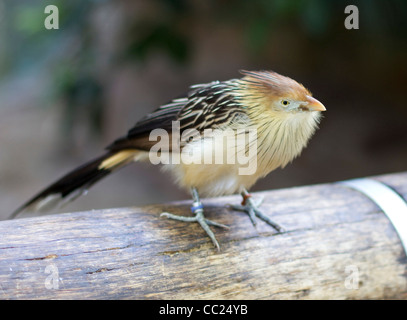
(268, 119)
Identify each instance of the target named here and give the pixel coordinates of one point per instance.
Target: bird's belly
(215, 168)
(211, 180)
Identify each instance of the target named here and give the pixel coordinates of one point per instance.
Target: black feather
(80, 178)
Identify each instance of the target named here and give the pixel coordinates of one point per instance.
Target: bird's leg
(251, 207)
(197, 209)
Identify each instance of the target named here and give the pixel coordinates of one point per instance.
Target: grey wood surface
(337, 245)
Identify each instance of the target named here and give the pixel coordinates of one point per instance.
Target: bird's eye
(285, 102)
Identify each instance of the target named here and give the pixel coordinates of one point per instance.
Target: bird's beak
(314, 104)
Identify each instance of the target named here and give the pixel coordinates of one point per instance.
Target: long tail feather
(76, 182)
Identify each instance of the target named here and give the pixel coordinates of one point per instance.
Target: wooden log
(338, 245)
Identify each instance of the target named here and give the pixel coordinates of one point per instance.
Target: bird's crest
(269, 82)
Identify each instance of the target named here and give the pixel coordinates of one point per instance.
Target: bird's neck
(283, 138)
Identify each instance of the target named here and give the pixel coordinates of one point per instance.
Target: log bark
(338, 245)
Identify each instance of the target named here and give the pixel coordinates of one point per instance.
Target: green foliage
(158, 37)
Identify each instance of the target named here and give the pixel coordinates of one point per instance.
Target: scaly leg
(252, 209)
(197, 209)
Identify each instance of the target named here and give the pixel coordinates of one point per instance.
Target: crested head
(282, 111)
(276, 92)
(272, 83)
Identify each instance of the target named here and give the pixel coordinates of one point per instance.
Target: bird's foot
(251, 207)
(200, 218)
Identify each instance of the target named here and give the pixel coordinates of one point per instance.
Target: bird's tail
(77, 182)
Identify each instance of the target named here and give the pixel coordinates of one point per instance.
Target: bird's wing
(210, 105)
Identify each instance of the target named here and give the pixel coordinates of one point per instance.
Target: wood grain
(338, 245)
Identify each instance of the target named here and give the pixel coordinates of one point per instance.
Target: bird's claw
(251, 207)
(203, 222)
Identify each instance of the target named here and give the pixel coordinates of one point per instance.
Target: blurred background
(65, 94)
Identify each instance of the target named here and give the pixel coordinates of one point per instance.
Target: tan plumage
(281, 134)
(280, 110)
